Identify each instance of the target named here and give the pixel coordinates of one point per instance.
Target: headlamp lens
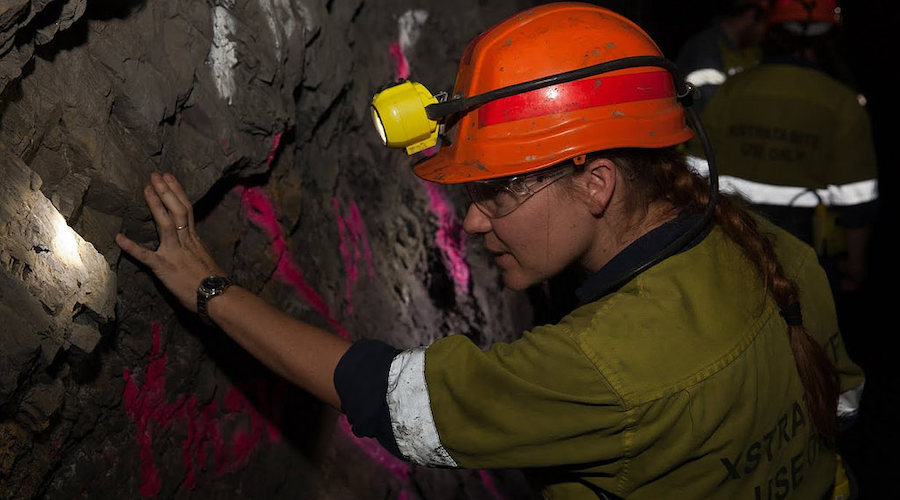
(379, 126)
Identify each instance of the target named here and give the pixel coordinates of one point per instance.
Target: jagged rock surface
(255, 106)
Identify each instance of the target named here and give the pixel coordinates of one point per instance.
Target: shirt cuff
(361, 381)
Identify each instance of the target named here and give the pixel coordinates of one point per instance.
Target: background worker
(695, 366)
(797, 143)
(727, 47)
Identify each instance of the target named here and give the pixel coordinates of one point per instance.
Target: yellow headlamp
(400, 117)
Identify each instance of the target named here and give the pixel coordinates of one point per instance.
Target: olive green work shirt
(681, 385)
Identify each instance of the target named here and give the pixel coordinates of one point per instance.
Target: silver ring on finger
(179, 228)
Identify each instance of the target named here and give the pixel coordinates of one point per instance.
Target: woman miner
(687, 371)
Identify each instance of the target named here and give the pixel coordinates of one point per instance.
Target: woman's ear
(600, 176)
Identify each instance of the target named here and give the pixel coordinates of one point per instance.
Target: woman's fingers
(179, 205)
(164, 223)
(144, 256)
(182, 197)
(177, 210)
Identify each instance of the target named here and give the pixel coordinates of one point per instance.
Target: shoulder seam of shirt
(575, 337)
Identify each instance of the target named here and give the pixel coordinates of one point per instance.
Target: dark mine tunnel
(111, 388)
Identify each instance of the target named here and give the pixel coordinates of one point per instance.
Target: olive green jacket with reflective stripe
(787, 135)
(680, 385)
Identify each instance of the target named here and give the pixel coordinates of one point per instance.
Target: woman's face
(540, 238)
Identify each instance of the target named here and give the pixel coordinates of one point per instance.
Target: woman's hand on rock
(181, 261)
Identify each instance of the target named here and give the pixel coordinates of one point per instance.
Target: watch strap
(202, 307)
(205, 294)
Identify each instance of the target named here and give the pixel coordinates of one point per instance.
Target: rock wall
(260, 108)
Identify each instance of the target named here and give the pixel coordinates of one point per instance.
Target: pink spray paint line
(450, 238)
(358, 228)
(259, 211)
(488, 482)
(203, 430)
(354, 247)
(244, 442)
(276, 141)
(398, 468)
(401, 64)
(147, 405)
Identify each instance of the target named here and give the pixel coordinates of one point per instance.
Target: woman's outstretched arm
(301, 353)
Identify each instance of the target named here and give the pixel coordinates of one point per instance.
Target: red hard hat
(633, 107)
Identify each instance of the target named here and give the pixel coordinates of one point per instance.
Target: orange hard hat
(528, 131)
(804, 11)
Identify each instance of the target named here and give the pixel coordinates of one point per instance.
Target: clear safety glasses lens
(499, 197)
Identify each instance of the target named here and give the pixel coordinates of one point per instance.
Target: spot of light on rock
(862, 100)
(65, 244)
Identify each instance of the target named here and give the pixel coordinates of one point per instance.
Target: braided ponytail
(663, 174)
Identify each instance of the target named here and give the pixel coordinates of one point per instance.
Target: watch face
(214, 282)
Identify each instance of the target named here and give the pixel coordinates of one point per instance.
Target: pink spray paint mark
(450, 238)
(259, 211)
(244, 442)
(276, 140)
(147, 404)
(401, 64)
(354, 247)
(398, 468)
(373, 449)
(202, 431)
(149, 408)
(488, 482)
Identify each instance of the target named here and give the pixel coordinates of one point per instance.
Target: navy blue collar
(635, 254)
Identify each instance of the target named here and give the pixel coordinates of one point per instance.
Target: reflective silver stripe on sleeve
(848, 402)
(410, 409)
(706, 76)
(853, 193)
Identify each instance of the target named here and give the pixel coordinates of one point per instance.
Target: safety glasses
(499, 197)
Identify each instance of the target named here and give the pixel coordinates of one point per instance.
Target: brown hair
(663, 174)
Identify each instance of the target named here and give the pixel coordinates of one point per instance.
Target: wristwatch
(210, 287)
